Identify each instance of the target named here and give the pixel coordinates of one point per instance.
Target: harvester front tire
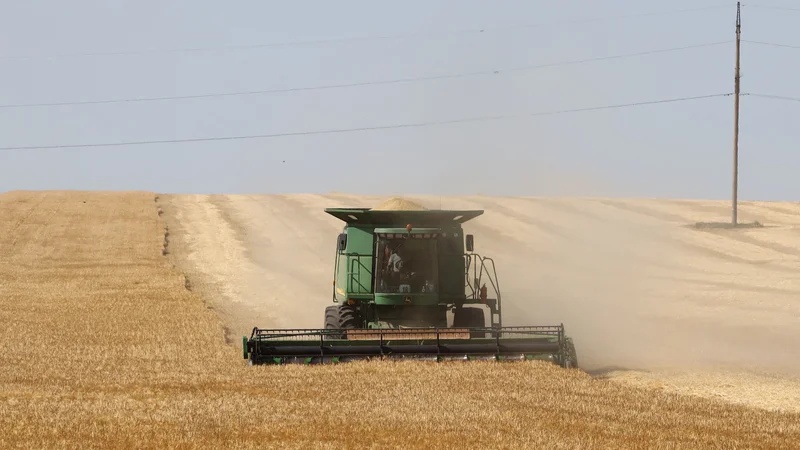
(340, 317)
(572, 356)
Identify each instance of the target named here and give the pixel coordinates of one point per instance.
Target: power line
(773, 7)
(627, 55)
(248, 46)
(771, 44)
(365, 83)
(776, 97)
(371, 128)
(370, 38)
(616, 17)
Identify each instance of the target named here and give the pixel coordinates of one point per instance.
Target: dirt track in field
(648, 300)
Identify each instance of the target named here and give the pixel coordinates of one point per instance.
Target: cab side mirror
(470, 243)
(342, 242)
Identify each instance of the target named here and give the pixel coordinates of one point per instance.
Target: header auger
(408, 285)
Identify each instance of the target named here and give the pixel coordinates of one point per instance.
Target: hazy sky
(666, 150)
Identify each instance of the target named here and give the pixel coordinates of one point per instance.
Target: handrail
(467, 281)
(477, 277)
(355, 275)
(495, 285)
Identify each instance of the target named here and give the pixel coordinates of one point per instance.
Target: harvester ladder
(355, 268)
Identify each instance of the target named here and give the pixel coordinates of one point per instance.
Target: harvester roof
(399, 218)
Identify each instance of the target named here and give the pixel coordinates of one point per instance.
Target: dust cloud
(596, 280)
(625, 291)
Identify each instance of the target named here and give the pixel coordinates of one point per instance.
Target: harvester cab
(408, 284)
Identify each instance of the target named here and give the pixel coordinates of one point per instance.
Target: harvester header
(408, 284)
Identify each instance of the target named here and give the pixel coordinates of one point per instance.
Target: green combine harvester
(405, 288)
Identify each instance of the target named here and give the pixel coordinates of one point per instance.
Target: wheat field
(649, 299)
(111, 340)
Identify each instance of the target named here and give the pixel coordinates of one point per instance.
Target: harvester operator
(395, 262)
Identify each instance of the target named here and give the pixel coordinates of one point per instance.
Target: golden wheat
(103, 346)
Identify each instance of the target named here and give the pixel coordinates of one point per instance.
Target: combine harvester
(400, 277)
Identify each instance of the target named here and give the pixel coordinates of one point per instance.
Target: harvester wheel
(572, 356)
(470, 318)
(339, 317)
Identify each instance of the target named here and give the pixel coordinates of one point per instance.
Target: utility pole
(736, 115)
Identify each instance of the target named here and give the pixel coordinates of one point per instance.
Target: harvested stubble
(103, 346)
